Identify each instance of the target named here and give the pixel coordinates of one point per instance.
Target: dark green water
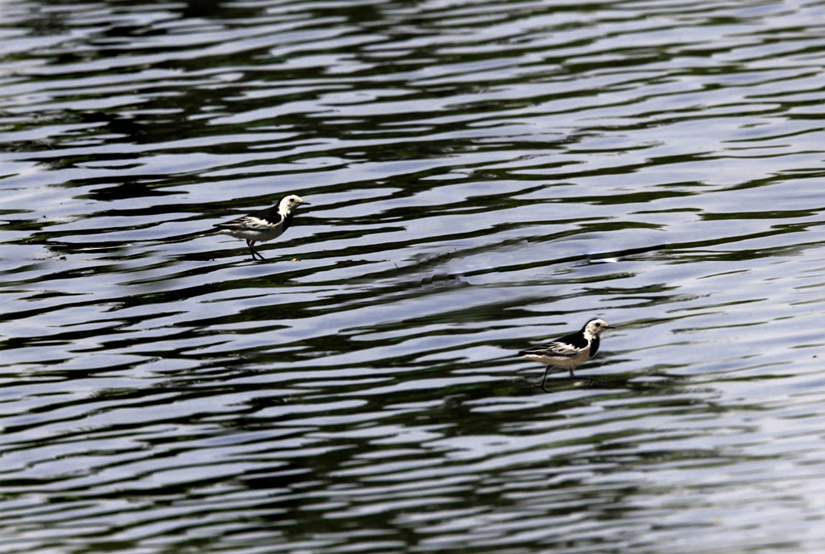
(483, 175)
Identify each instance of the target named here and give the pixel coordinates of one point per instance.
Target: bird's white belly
(259, 234)
(561, 361)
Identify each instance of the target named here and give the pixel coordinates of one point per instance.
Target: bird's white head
(289, 203)
(594, 328)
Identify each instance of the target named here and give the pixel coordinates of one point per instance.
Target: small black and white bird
(569, 351)
(262, 225)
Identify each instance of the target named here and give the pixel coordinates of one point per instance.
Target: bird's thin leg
(590, 380)
(546, 371)
(254, 252)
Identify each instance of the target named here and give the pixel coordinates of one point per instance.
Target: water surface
(483, 175)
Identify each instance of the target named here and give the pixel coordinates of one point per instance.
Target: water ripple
(483, 175)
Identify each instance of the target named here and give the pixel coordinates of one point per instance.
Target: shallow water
(483, 175)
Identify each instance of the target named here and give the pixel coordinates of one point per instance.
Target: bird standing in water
(262, 225)
(569, 351)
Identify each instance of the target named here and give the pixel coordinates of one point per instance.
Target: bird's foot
(591, 381)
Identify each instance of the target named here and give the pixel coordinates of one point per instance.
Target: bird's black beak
(305, 203)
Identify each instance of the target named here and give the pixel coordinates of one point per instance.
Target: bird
(262, 225)
(568, 351)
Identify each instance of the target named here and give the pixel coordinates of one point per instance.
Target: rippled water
(483, 175)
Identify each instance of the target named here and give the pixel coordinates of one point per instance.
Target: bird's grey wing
(560, 349)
